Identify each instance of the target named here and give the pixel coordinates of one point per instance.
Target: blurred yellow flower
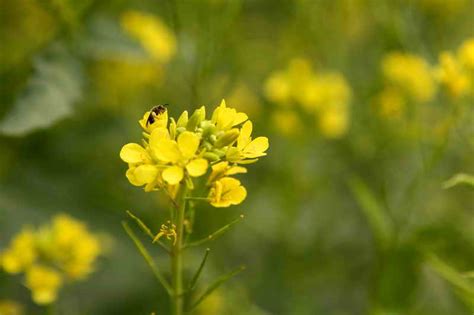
(410, 73)
(466, 54)
(324, 94)
(21, 253)
(152, 33)
(227, 191)
(44, 283)
(8, 307)
(334, 121)
(451, 75)
(63, 249)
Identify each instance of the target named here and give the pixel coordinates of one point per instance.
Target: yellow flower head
(44, 283)
(157, 117)
(451, 75)
(410, 73)
(152, 33)
(227, 191)
(466, 54)
(333, 122)
(181, 151)
(64, 249)
(21, 253)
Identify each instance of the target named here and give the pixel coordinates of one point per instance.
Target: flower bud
(211, 156)
(227, 138)
(196, 118)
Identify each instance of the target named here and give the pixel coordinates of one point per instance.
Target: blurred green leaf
(50, 94)
(375, 213)
(459, 179)
(465, 288)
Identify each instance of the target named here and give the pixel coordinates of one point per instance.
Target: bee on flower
(59, 252)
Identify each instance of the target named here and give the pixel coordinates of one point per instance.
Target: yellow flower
(227, 191)
(334, 122)
(451, 75)
(44, 283)
(152, 33)
(73, 247)
(156, 118)
(141, 171)
(181, 154)
(222, 169)
(411, 73)
(278, 89)
(8, 307)
(466, 54)
(21, 254)
(247, 150)
(225, 117)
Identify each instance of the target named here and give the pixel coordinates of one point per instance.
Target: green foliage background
(358, 225)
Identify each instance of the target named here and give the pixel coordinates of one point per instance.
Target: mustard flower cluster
(410, 78)
(326, 95)
(61, 251)
(183, 151)
(455, 71)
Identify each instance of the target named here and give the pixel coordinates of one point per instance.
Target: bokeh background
(368, 106)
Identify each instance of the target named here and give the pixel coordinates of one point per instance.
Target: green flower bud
(196, 118)
(183, 119)
(211, 156)
(227, 138)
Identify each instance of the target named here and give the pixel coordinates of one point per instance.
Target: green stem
(176, 253)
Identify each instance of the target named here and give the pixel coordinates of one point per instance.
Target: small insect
(154, 112)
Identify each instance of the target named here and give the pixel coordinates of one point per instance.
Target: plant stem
(176, 254)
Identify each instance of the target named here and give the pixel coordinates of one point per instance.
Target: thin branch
(219, 281)
(146, 255)
(147, 231)
(192, 285)
(216, 234)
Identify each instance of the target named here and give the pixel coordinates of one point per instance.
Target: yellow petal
(240, 118)
(134, 153)
(188, 143)
(236, 170)
(130, 174)
(146, 173)
(166, 150)
(256, 148)
(245, 133)
(173, 175)
(197, 167)
(236, 195)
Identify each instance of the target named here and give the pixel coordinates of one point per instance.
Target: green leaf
(375, 213)
(459, 179)
(49, 96)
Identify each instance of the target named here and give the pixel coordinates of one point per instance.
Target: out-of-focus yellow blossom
(451, 75)
(334, 122)
(466, 54)
(227, 191)
(325, 90)
(44, 283)
(390, 103)
(152, 33)
(21, 253)
(410, 73)
(278, 89)
(324, 94)
(73, 247)
(8, 307)
(182, 150)
(286, 122)
(62, 250)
